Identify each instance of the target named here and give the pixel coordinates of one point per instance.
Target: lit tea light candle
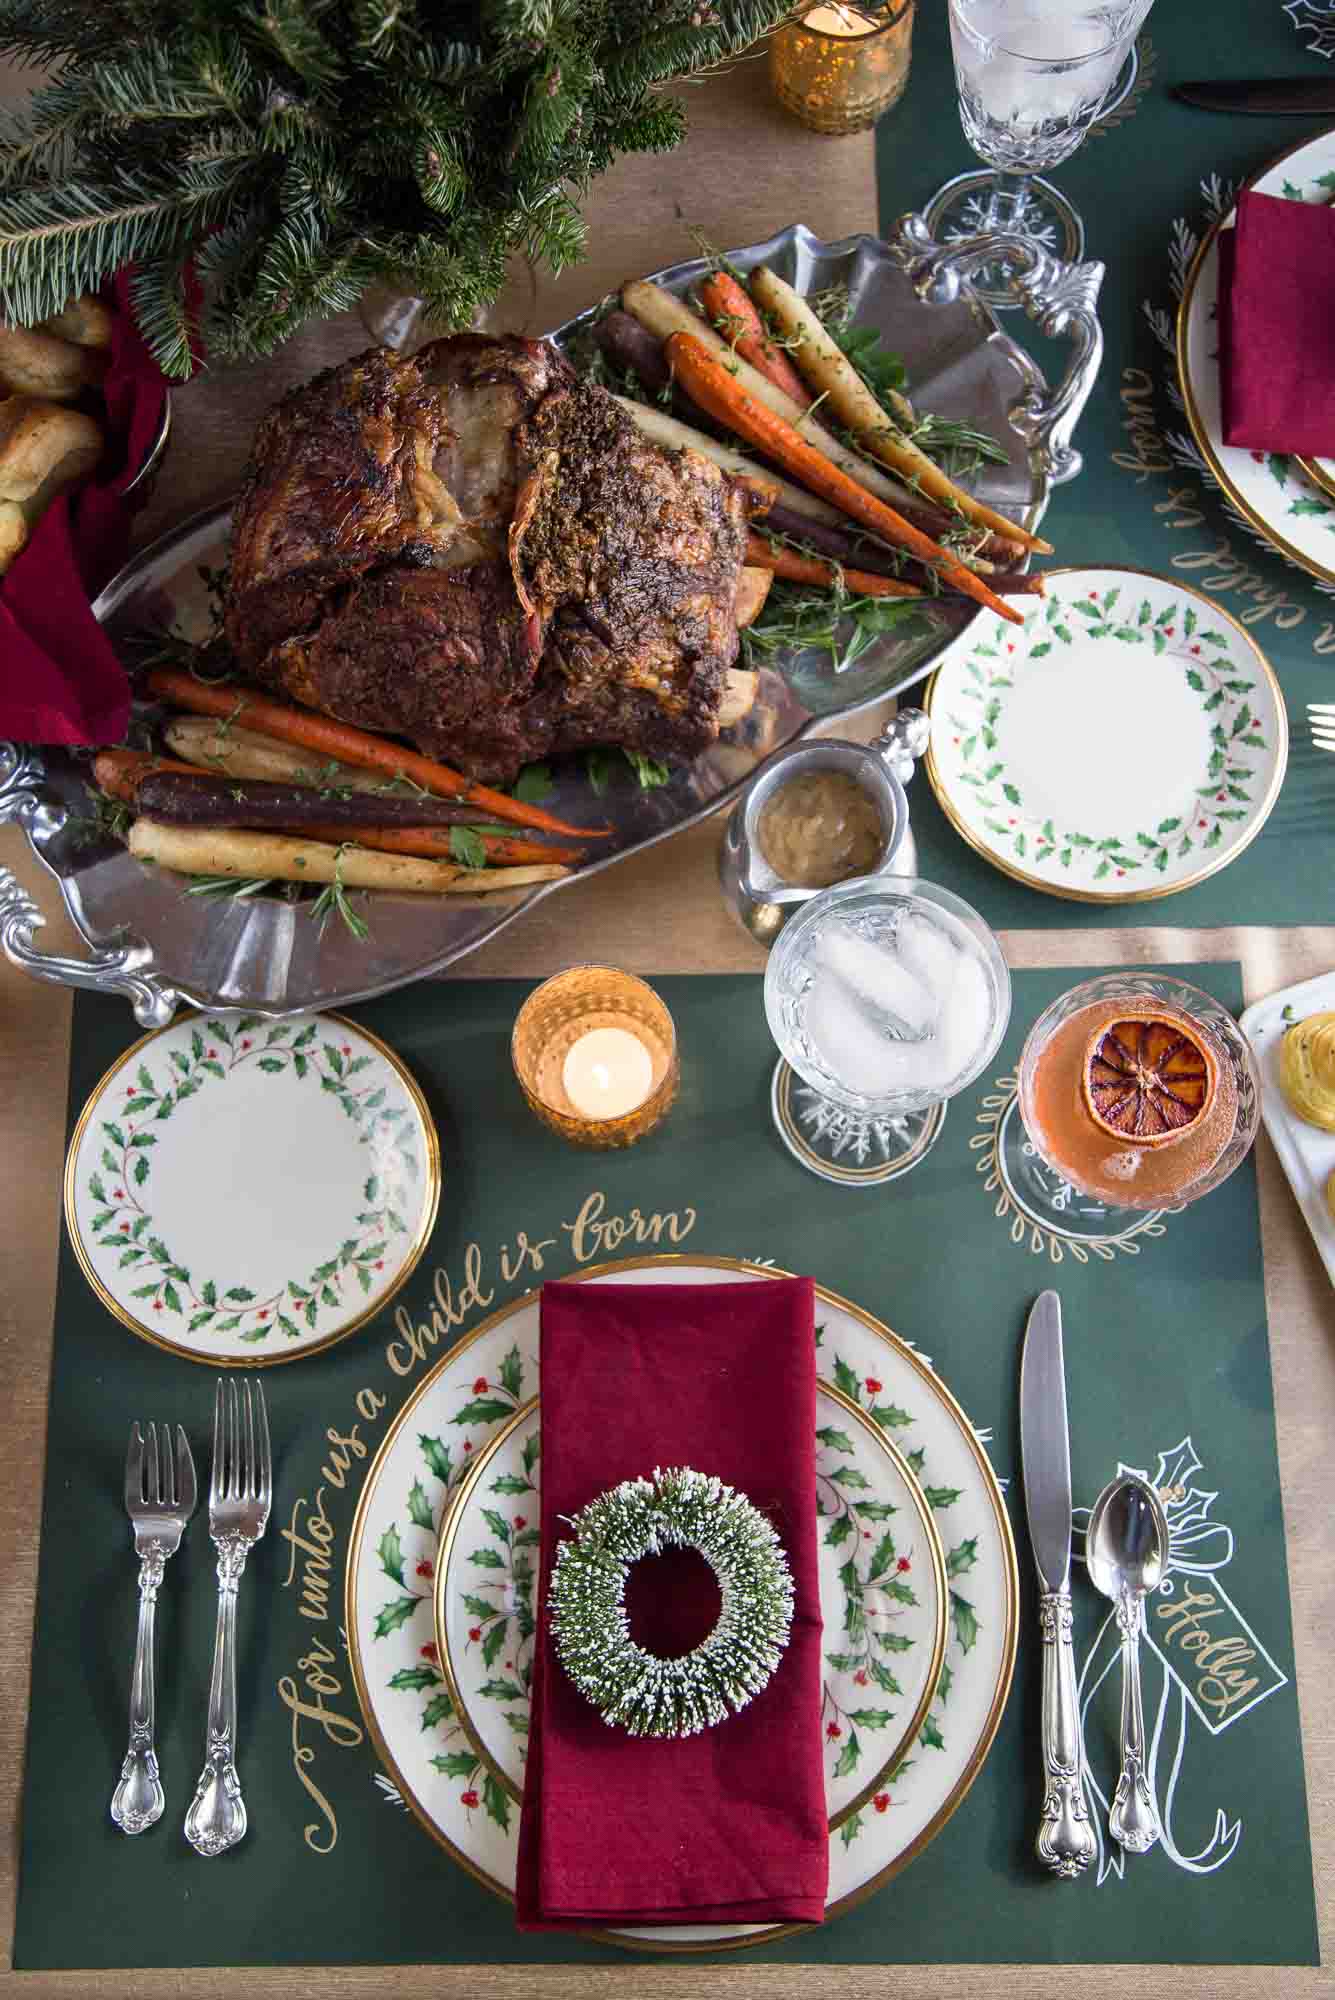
(838, 67)
(836, 21)
(607, 1073)
(595, 1054)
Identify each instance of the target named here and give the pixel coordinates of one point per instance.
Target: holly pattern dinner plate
(1290, 502)
(245, 1193)
(1124, 743)
(390, 1590)
(883, 1594)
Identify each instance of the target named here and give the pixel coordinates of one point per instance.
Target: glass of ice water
(886, 996)
(1033, 75)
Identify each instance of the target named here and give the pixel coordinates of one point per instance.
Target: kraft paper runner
(1168, 1371)
(1135, 181)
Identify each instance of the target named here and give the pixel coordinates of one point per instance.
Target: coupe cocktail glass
(1033, 75)
(886, 996)
(1073, 1177)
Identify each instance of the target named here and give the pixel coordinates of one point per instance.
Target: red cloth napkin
(61, 681)
(1277, 326)
(729, 1826)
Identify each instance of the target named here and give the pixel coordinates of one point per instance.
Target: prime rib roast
(472, 549)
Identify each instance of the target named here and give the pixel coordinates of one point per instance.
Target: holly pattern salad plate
(246, 1193)
(1290, 502)
(883, 1597)
(1124, 743)
(455, 1489)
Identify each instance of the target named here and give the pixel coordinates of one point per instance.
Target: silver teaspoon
(1126, 1552)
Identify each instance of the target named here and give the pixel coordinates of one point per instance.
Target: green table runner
(1132, 182)
(1168, 1371)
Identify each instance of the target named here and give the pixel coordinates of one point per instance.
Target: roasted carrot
(807, 569)
(432, 843)
(120, 773)
(711, 386)
(350, 746)
(732, 312)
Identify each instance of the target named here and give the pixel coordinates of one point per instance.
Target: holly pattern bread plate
(245, 1193)
(883, 1595)
(1306, 1153)
(479, 1387)
(1129, 739)
(1288, 501)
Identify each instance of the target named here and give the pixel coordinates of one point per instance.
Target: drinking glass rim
(1122, 41)
(904, 888)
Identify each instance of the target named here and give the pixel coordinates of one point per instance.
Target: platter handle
(1061, 298)
(124, 968)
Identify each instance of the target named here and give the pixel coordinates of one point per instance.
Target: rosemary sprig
(835, 622)
(333, 900)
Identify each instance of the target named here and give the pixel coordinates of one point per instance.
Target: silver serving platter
(160, 946)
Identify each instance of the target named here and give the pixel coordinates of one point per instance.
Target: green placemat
(1167, 1360)
(1134, 503)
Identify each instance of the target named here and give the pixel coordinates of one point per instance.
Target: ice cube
(931, 950)
(845, 1036)
(965, 1018)
(875, 973)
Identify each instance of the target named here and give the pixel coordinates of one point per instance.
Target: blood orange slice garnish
(1148, 1079)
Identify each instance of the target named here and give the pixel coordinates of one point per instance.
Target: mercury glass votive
(838, 67)
(595, 1053)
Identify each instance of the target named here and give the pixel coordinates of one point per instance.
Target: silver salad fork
(159, 1499)
(240, 1495)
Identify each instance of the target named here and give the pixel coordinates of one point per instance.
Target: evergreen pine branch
(59, 241)
(306, 148)
(149, 85)
(438, 171)
(161, 308)
(381, 27)
(290, 30)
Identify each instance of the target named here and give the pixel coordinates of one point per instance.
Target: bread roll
(85, 321)
(13, 532)
(1307, 1070)
(38, 364)
(43, 449)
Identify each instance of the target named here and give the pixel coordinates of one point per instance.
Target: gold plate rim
(1194, 418)
(278, 1359)
(1124, 896)
(453, 1520)
(1317, 473)
(767, 1934)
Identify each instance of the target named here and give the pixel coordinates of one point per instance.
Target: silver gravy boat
(762, 900)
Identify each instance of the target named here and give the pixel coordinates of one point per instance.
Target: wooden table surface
(744, 172)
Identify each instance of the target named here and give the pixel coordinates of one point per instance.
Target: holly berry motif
(1215, 798)
(367, 1090)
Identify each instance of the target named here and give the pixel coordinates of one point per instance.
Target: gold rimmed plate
(883, 1594)
(244, 1193)
(1124, 743)
(1289, 501)
(448, 1421)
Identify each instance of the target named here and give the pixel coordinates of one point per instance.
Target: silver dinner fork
(1321, 722)
(240, 1495)
(159, 1499)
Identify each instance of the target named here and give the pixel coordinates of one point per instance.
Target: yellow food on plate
(1307, 1070)
(1330, 1195)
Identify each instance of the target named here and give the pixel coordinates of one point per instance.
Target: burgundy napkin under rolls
(729, 1826)
(1277, 326)
(61, 681)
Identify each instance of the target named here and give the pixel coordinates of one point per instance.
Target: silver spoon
(1126, 1551)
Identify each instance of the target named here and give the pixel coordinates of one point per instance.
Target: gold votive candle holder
(558, 1014)
(837, 68)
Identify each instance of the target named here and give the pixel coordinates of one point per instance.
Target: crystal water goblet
(1032, 75)
(886, 996)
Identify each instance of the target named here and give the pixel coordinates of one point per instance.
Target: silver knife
(1065, 1840)
(1278, 96)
